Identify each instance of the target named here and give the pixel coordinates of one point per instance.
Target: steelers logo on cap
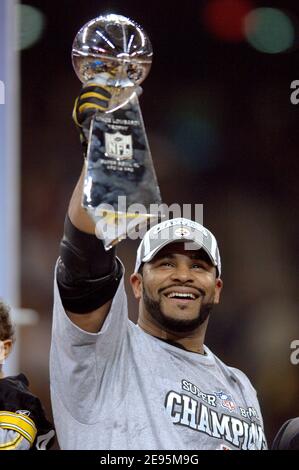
(182, 232)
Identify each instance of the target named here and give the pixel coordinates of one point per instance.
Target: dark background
(223, 133)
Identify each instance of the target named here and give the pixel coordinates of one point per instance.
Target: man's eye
(166, 263)
(198, 266)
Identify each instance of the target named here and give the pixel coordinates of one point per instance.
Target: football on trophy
(113, 51)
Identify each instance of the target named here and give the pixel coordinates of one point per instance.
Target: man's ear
(5, 349)
(136, 283)
(218, 289)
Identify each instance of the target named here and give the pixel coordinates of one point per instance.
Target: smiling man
(154, 385)
(177, 282)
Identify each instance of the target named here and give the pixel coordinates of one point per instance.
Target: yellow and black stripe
(93, 97)
(18, 423)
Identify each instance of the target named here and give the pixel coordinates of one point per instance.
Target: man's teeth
(180, 294)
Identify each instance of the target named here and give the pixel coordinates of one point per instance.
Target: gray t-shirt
(123, 389)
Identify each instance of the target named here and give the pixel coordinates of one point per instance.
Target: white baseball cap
(178, 229)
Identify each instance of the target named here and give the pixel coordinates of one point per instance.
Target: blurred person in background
(287, 437)
(23, 424)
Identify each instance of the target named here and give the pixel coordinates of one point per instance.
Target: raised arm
(88, 276)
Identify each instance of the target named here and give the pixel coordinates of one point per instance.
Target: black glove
(93, 97)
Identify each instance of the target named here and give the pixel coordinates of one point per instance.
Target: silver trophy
(121, 192)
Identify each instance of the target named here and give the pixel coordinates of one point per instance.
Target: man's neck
(192, 342)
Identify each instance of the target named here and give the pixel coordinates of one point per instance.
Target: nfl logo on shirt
(226, 401)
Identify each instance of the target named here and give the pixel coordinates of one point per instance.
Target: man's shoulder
(235, 374)
(242, 377)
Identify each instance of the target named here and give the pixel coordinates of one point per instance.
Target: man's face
(178, 288)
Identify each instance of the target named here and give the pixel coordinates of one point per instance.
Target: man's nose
(182, 273)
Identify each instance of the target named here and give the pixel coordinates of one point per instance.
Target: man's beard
(173, 324)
